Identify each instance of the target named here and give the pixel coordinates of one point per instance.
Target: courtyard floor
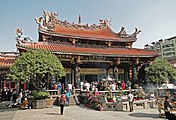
(79, 113)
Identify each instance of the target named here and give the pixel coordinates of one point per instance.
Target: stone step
(73, 101)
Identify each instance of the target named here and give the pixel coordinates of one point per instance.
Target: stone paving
(80, 113)
(7, 115)
(6, 112)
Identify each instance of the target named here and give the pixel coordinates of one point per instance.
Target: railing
(54, 93)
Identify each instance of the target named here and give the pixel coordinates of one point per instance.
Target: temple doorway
(90, 78)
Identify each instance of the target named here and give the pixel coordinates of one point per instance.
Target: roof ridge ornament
(21, 37)
(47, 21)
(104, 22)
(81, 26)
(123, 33)
(136, 32)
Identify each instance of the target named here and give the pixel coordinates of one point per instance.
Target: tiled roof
(104, 33)
(97, 34)
(70, 49)
(6, 61)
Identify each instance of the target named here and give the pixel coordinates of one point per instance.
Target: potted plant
(138, 96)
(110, 99)
(40, 95)
(40, 100)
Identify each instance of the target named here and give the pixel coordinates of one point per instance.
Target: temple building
(7, 59)
(89, 52)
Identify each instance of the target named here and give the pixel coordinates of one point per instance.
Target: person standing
(128, 85)
(123, 85)
(131, 100)
(59, 87)
(62, 104)
(70, 87)
(63, 87)
(167, 107)
(68, 94)
(81, 85)
(14, 94)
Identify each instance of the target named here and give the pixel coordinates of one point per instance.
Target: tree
(159, 71)
(36, 66)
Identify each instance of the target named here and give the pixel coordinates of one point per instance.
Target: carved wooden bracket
(73, 41)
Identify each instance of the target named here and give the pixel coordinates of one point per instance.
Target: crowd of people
(8, 94)
(66, 92)
(104, 85)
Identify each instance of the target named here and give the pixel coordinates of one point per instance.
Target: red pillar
(4, 84)
(15, 86)
(10, 84)
(24, 85)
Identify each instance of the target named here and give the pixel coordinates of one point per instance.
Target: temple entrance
(90, 78)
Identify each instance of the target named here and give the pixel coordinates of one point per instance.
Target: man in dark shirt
(62, 104)
(167, 107)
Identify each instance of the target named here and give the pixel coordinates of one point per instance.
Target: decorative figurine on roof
(46, 17)
(19, 32)
(50, 18)
(20, 37)
(105, 22)
(39, 21)
(123, 32)
(54, 15)
(135, 33)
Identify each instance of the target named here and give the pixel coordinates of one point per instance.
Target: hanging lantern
(130, 74)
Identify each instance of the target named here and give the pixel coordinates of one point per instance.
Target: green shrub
(41, 95)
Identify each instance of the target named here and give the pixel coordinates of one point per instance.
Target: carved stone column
(131, 70)
(107, 71)
(134, 71)
(72, 74)
(116, 69)
(126, 74)
(77, 72)
(77, 76)
(115, 72)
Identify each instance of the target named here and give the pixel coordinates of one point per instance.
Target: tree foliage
(36, 66)
(159, 71)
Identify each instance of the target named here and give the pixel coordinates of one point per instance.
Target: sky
(156, 18)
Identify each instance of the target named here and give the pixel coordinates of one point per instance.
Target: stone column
(77, 76)
(126, 74)
(134, 71)
(72, 74)
(116, 69)
(107, 71)
(115, 72)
